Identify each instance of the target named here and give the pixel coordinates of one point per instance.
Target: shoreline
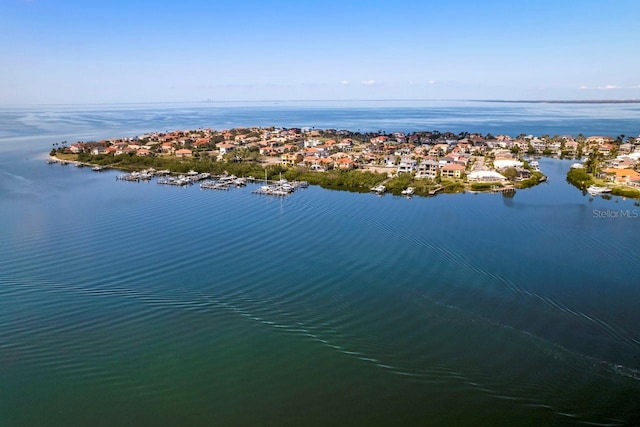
(421, 163)
(432, 192)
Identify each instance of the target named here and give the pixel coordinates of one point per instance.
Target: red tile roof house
(379, 139)
(345, 163)
(622, 176)
(167, 147)
(606, 149)
(226, 147)
(76, 148)
(201, 141)
(452, 170)
(268, 151)
(318, 163)
(184, 152)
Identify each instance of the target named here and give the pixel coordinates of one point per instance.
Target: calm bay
(137, 304)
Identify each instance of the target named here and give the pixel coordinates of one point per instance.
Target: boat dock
(281, 188)
(505, 189)
(437, 188)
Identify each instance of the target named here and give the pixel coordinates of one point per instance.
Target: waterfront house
(623, 162)
(428, 168)
(486, 176)
(522, 174)
(452, 170)
(571, 146)
(76, 148)
(407, 165)
(507, 163)
(622, 176)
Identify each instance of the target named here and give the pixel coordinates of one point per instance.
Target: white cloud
(344, 82)
(605, 87)
(368, 82)
(432, 82)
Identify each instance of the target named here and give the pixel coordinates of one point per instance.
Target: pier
(505, 189)
(437, 188)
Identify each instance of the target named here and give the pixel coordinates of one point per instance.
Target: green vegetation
(132, 162)
(64, 156)
(485, 186)
(536, 178)
(351, 180)
(579, 178)
(452, 186)
(399, 183)
(510, 173)
(631, 193)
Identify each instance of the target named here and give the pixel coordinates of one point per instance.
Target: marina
(281, 187)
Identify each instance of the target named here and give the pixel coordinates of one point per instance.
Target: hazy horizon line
(262, 101)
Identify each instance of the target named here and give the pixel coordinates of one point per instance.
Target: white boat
(408, 191)
(379, 189)
(535, 165)
(595, 190)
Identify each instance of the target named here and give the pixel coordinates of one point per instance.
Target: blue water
(137, 304)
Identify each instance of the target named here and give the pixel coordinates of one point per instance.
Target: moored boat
(379, 189)
(408, 191)
(595, 190)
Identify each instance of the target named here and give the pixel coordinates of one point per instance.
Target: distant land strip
(541, 101)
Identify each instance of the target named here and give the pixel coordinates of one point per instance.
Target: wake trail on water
(326, 332)
(458, 260)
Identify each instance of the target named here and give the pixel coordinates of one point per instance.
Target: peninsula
(421, 163)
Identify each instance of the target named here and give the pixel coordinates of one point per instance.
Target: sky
(65, 52)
